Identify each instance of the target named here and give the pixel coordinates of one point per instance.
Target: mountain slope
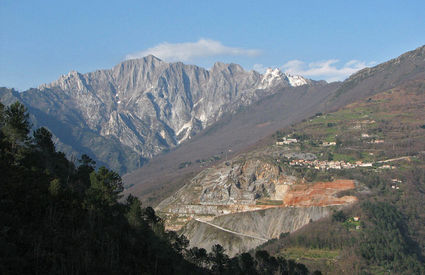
(60, 218)
(163, 176)
(386, 129)
(387, 75)
(364, 152)
(142, 107)
(311, 164)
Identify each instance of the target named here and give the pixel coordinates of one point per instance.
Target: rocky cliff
(142, 107)
(249, 200)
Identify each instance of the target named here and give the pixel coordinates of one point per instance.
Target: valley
(212, 137)
(311, 188)
(240, 132)
(306, 173)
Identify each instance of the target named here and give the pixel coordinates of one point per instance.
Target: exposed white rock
(274, 77)
(187, 127)
(296, 80)
(149, 105)
(244, 197)
(271, 78)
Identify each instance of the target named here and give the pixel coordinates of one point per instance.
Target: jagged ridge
(141, 107)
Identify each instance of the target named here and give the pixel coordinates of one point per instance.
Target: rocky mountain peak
(143, 106)
(297, 80)
(149, 59)
(275, 77)
(71, 80)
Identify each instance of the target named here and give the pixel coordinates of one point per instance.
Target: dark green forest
(67, 217)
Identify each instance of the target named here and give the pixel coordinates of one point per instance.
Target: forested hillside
(59, 217)
(378, 142)
(65, 217)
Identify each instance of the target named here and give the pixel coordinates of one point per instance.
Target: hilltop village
(332, 164)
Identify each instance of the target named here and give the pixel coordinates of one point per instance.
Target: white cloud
(259, 68)
(188, 51)
(327, 70)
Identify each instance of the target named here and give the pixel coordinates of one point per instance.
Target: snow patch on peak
(273, 72)
(273, 77)
(296, 80)
(270, 78)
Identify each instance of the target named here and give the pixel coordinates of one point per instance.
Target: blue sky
(40, 40)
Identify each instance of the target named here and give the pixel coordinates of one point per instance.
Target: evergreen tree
(16, 123)
(218, 259)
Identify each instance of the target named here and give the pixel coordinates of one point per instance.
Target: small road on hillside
(233, 232)
(395, 159)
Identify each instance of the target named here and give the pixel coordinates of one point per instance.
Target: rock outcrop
(142, 107)
(247, 201)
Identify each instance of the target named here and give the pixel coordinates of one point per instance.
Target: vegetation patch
(268, 202)
(353, 223)
(384, 233)
(298, 253)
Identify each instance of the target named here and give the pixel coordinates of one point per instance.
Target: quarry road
(233, 232)
(390, 160)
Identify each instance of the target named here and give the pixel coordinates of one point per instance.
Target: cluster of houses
(326, 165)
(395, 186)
(357, 219)
(326, 144)
(359, 124)
(386, 166)
(374, 140)
(286, 141)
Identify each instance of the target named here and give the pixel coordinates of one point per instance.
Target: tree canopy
(61, 217)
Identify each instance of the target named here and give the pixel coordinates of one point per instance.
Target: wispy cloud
(259, 68)
(327, 70)
(188, 51)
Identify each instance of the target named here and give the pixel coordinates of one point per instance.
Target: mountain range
(183, 114)
(162, 176)
(248, 159)
(124, 116)
(332, 162)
